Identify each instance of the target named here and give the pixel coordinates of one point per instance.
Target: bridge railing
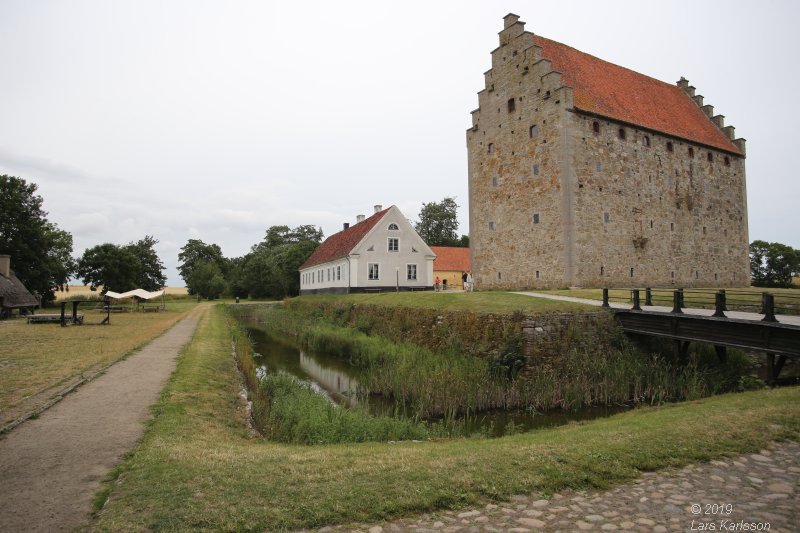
(761, 302)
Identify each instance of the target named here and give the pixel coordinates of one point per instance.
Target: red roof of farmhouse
(451, 258)
(608, 90)
(341, 244)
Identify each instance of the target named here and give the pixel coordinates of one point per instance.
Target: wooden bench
(45, 319)
(372, 290)
(150, 308)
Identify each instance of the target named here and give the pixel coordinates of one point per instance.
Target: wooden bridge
(747, 320)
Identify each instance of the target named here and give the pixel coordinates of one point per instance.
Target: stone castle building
(585, 173)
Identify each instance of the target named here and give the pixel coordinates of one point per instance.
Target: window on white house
(394, 245)
(373, 271)
(329, 274)
(338, 273)
(393, 226)
(411, 272)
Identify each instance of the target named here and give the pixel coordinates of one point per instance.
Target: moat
(338, 381)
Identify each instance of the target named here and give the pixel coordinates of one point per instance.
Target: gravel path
(753, 492)
(51, 467)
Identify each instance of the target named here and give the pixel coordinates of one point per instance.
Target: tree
(773, 264)
(438, 223)
(122, 268)
(270, 269)
(194, 252)
(112, 266)
(150, 275)
(41, 254)
(207, 279)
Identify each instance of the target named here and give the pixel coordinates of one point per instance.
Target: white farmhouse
(379, 253)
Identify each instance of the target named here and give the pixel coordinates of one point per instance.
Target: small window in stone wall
(536, 218)
(691, 152)
(645, 140)
(598, 167)
(491, 226)
(606, 217)
(710, 156)
(602, 270)
(596, 127)
(631, 271)
(491, 148)
(651, 224)
(512, 105)
(672, 226)
(533, 131)
(727, 161)
(499, 275)
(537, 274)
(622, 134)
(672, 274)
(494, 181)
(669, 147)
(536, 169)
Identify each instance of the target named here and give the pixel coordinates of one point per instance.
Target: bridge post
(676, 301)
(719, 304)
(636, 300)
(680, 292)
(725, 302)
(63, 313)
(768, 307)
(648, 296)
(605, 298)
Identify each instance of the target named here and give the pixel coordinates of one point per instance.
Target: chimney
(5, 265)
(346, 226)
(378, 208)
(360, 218)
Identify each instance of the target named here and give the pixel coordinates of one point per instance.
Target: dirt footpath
(51, 467)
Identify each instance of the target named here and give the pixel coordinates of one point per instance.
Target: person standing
(436, 283)
(470, 283)
(464, 280)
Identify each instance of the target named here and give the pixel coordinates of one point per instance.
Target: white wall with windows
(390, 255)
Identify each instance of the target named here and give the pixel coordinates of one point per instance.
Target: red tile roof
(451, 258)
(606, 89)
(341, 244)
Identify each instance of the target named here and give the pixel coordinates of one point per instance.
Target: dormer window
(393, 227)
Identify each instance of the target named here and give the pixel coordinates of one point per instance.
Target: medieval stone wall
(556, 200)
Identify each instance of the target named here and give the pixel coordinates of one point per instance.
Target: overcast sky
(214, 120)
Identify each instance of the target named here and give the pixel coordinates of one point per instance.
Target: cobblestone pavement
(753, 492)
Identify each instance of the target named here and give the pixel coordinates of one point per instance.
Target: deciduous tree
(773, 264)
(438, 223)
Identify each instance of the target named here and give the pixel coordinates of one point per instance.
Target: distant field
(80, 290)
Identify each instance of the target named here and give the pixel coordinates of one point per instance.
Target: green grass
(198, 467)
(486, 302)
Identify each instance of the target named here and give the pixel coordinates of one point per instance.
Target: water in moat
(337, 380)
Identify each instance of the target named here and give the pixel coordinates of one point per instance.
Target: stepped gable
(451, 258)
(341, 244)
(608, 90)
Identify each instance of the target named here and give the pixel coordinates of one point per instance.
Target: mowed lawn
(198, 467)
(484, 301)
(41, 358)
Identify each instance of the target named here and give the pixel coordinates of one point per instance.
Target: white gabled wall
(392, 266)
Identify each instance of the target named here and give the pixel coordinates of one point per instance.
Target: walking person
(437, 283)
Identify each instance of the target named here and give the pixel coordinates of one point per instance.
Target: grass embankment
(39, 359)
(485, 302)
(197, 467)
(423, 383)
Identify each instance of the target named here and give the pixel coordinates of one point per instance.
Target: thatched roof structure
(13, 294)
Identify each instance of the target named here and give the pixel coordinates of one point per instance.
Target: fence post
(605, 298)
(636, 306)
(676, 301)
(719, 304)
(680, 298)
(648, 296)
(724, 299)
(769, 308)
